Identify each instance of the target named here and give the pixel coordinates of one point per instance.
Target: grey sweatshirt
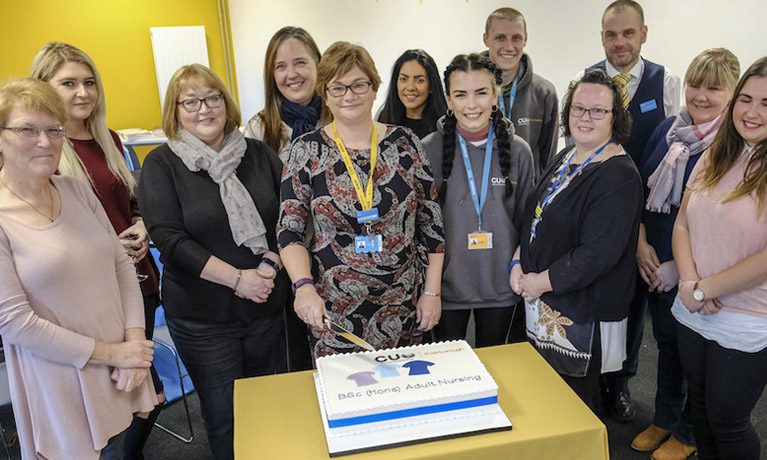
(535, 113)
(479, 278)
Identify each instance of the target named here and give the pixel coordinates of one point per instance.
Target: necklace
(50, 195)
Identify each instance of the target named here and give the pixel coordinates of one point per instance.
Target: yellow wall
(115, 33)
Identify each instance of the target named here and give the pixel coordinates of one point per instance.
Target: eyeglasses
(358, 87)
(31, 132)
(193, 105)
(596, 113)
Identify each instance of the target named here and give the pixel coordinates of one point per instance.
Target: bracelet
(300, 283)
(237, 283)
(271, 263)
(512, 263)
(433, 294)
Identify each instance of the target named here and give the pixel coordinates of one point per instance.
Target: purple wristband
(300, 283)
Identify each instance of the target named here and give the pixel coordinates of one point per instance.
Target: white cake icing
(393, 385)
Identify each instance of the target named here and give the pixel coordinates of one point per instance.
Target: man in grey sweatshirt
(527, 99)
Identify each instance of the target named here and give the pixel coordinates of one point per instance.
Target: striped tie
(622, 79)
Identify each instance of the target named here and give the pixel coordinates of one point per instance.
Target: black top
(187, 221)
(419, 126)
(587, 239)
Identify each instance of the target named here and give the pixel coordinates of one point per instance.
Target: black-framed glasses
(358, 87)
(193, 105)
(32, 132)
(595, 113)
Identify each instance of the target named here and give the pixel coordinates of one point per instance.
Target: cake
(395, 385)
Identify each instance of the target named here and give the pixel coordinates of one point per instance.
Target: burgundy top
(117, 200)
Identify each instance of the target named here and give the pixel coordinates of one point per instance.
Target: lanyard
(479, 203)
(557, 186)
(512, 96)
(366, 198)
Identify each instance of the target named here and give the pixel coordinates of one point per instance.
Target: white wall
(563, 34)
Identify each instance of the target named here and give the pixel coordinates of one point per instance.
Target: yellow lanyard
(366, 198)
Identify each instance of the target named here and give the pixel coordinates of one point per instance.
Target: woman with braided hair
(482, 200)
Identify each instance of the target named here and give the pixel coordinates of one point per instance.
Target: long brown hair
(274, 136)
(727, 148)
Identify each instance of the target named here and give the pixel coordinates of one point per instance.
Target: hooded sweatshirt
(535, 113)
(479, 278)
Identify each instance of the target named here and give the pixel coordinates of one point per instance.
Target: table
(277, 416)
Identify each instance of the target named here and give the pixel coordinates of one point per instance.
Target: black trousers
(491, 325)
(723, 387)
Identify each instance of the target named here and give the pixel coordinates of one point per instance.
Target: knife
(348, 335)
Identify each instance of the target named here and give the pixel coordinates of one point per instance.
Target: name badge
(648, 106)
(480, 241)
(372, 243)
(367, 216)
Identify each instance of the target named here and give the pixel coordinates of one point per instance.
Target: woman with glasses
(94, 154)
(575, 266)
(292, 106)
(210, 199)
(71, 314)
(416, 101)
(364, 190)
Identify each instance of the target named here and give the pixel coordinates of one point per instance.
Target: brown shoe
(673, 450)
(650, 439)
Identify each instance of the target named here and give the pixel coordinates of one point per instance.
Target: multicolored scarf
(684, 140)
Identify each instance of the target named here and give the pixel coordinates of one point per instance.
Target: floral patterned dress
(371, 294)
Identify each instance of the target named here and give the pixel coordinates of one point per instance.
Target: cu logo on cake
(394, 357)
(389, 370)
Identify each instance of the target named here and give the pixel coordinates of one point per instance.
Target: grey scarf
(244, 220)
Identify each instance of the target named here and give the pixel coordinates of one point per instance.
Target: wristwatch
(697, 292)
(300, 283)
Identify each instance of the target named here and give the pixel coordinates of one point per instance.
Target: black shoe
(623, 407)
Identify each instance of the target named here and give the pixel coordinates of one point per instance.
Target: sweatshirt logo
(498, 181)
(524, 121)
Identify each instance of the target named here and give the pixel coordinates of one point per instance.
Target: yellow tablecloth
(277, 417)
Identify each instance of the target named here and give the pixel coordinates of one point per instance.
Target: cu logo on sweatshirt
(498, 181)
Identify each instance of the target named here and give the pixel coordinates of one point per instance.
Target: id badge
(481, 240)
(367, 216)
(372, 243)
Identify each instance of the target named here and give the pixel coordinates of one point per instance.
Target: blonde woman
(670, 156)
(93, 154)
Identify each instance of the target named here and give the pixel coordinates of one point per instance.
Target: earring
(449, 113)
(495, 108)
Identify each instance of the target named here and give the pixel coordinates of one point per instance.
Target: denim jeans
(215, 354)
(672, 411)
(723, 387)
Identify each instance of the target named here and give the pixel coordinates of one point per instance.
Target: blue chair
(174, 376)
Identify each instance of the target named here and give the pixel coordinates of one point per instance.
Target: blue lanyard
(512, 96)
(557, 185)
(479, 203)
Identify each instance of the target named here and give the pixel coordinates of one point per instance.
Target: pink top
(63, 285)
(723, 234)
